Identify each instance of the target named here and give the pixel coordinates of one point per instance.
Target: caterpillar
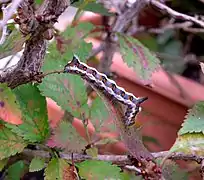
(109, 87)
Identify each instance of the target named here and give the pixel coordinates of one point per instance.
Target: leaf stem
(85, 123)
(79, 10)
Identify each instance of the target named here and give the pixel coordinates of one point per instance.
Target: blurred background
(173, 88)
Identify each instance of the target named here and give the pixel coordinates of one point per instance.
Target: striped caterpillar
(101, 82)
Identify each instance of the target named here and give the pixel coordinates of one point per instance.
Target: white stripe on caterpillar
(101, 82)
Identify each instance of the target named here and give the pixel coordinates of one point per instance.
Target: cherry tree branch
(36, 24)
(116, 159)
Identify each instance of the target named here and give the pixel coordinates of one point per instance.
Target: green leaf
(16, 170)
(62, 88)
(93, 7)
(191, 135)
(68, 91)
(173, 48)
(130, 176)
(38, 2)
(9, 106)
(168, 44)
(99, 115)
(189, 144)
(36, 164)
(70, 42)
(34, 109)
(194, 121)
(83, 50)
(57, 169)
(93, 152)
(66, 137)
(74, 37)
(99, 170)
(13, 44)
(173, 64)
(11, 144)
(149, 41)
(137, 56)
(165, 37)
(3, 163)
(81, 30)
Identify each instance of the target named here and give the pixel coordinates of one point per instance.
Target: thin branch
(108, 52)
(116, 159)
(132, 168)
(179, 156)
(185, 26)
(174, 13)
(128, 15)
(51, 72)
(194, 30)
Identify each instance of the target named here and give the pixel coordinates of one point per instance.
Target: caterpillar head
(72, 65)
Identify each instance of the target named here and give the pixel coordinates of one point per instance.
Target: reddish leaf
(9, 109)
(137, 56)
